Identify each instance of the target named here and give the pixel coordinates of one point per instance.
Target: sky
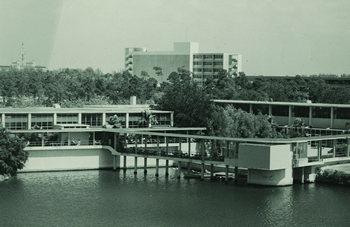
(275, 38)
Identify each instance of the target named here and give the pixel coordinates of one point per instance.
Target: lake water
(107, 198)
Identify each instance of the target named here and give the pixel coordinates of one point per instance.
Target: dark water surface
(107, 198)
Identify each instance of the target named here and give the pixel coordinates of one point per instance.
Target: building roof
(283, 103)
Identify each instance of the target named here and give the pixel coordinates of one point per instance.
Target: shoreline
(334, 174)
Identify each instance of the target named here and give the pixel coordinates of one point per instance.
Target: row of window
(297, 111)
(207, 56)
(45, 121)
(208, 63)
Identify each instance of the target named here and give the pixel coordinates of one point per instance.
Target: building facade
(184, 55)
(317, 115)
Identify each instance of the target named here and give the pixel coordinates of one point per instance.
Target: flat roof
(44, 110)
(282, 103)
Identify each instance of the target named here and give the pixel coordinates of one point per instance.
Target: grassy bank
(332, 176)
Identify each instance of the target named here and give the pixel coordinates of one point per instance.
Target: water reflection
(106, 198)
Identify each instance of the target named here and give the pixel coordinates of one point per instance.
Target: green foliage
(12, 153)
(332, 176)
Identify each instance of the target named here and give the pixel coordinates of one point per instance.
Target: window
(67, 118)
(264, 109)
(281, 111)
(43, 121)
(94, 120)
(321, 112)
(208, 63)
(197, 76)
(198, 56)
(207, 70)
(197, 70)
(208, 56)
(217, 63)
(163, 119)
(16, 121)
(218, 56)
(134, 119)
(300, 111)
(197, 63)
(341, 113)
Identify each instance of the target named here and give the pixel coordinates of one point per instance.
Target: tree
(159, 72)
(12, 153)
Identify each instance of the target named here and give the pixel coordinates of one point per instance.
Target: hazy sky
(274, 37)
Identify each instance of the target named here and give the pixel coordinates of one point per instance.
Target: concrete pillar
(270, 109)
(127, 120)
(236, 174)
(157, 167)
(103, 118)
(145, 165)
(116, 162)
(167, 168)
(347, 146)
(172, 119)
(115, 141)
(299, 174)
(251, 108)
(290, 115)
(135, 165)
(332, 117)
(54, 118)
(188, 167)
(179, 170)
(124, 162)
(79, 118)
(29, 120)
(69, 139)
(3, 120)
(310, 115)
(334, 147)
(211, 171)
(226, 174)
(310, 174)
(202, 171)
(319, 150)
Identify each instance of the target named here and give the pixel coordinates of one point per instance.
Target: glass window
(208, 63)
(208, 56)
(300, 111)
(67, 118)
(282, 111)
(207, 70)
(342, 113)
(163, 119)
(218, 56)
(217, 63)
(16, 121)
(42, 121)
(94, 120)
(197, 70)
(264, 109)
(134, 119)
(321, 112)
(197, 56)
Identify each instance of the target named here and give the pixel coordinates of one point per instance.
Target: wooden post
(157, 167)
(145, 165)
(135, 166)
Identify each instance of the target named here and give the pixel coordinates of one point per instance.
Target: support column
(103, 118)
(302, 175)
(347, 146)
(69, 139)
(226, 174)
(172, 119)
(188, 167)
(270, 109)
(127, 120)
(250, 108)
(145, 165)
(79, 118)
(211, 171)
(202, 171)
(116, 162)
(179, 170)
(334, 147)
(29, 120)
(3, 120)
(124, 162)
(157, 167)
(310, 115)
(319, 150)
(167, 168)
(332, 117)
(236, 174)
(135, 166)
(54, 118)
(290, 115)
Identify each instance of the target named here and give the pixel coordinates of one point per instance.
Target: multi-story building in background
(22, 62)
(184, 55)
